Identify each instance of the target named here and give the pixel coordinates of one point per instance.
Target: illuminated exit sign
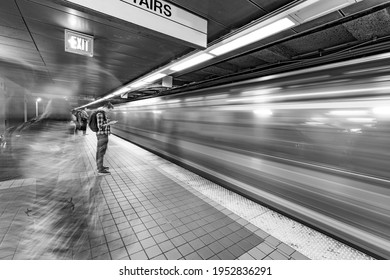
(78, 43)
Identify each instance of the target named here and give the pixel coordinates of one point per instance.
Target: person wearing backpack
(103, 130)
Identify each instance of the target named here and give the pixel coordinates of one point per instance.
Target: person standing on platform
(104, 130)
(74, 122)
(82, 119)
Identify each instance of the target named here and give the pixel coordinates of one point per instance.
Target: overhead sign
(157, 15)
(78, 43)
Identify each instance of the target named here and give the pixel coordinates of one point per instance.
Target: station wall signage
(78, 43)
(157, 15)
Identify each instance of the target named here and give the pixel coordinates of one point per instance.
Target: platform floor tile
(150, 209)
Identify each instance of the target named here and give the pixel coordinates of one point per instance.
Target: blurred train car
(313, 144)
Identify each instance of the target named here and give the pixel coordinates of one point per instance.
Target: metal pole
(36, 108)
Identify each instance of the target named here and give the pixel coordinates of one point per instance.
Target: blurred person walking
(60, 211)
(82, 119)
(74, 122)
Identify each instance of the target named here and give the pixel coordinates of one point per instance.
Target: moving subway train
(313, 144)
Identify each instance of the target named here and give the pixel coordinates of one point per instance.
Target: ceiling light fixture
(154, 77)
(138, 84)
(191, 62)
(321, 8)
(254, 36)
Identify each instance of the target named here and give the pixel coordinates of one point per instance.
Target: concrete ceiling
(32, 55)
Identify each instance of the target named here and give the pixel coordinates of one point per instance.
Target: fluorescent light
(302, 6)
(254, 36)
(191, 62)
(154, 77)
(319, 9)
(138, 84)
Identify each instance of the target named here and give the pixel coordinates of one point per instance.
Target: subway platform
(154, 209)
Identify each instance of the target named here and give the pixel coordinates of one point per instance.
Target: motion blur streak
(313, 144)
(64, 208)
